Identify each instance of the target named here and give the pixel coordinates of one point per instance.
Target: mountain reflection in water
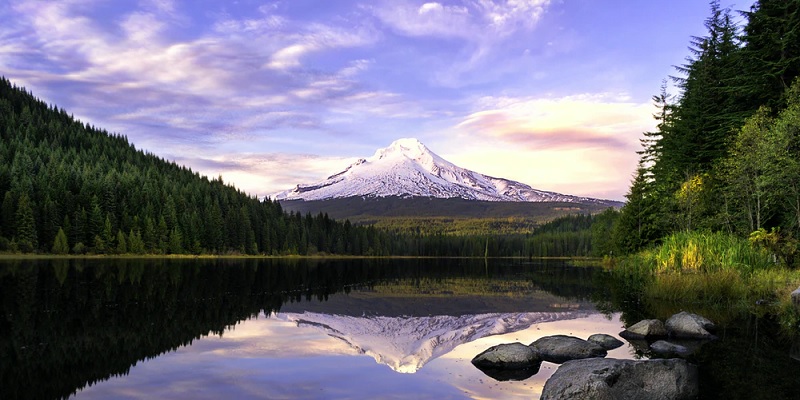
(216, 328)
(405, 344)
(72, 323)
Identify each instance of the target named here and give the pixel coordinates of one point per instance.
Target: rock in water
(607, 342)
(561, 348)
(688, 325)
(507, 356)
(606, 379)
(666, 348)
(647, 328)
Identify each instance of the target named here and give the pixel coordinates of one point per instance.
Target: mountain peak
(407, 168)
(411, 148)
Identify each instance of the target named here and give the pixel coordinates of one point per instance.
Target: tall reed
(711, 269)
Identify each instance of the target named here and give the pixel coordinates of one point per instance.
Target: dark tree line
(724, 154)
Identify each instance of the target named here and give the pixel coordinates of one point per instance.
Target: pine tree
(122, 244)
(26, 225)
(60, 245)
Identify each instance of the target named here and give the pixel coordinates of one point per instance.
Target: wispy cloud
(234, 79)
(586, 121)
(478, 21)
(581, 144)
(481, 28)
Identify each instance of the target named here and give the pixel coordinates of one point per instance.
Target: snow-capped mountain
(409, 169)
(405, 344)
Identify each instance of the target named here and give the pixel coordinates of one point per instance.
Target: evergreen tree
(122, 243)
(26, 225)
(60, 245)
(770, 59)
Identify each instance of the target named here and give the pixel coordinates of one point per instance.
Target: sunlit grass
(709, 270)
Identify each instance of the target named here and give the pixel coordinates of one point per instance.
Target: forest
(725, 156)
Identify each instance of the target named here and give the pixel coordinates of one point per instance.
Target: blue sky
(268, 94)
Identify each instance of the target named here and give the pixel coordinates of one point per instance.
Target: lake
(330, 329)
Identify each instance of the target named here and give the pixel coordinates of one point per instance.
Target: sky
(269, 94)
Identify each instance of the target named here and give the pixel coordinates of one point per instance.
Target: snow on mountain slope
(409, 169)
(405, 344)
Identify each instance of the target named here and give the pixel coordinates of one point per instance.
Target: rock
(796, 298)
(688, 325)
(647, 328)
(641, 346)
(607, 342)
(606, 379)
(560, 348)
(666, 348)
(507, 356)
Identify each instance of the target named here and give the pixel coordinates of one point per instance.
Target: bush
(79, 248)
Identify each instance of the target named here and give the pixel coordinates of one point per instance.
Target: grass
(708, 270)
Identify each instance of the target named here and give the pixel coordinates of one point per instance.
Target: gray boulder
(560, 348)
(647, 328)
(607, 379)
(688, 325)
(507, 356)
(796, 298)
(607, 342)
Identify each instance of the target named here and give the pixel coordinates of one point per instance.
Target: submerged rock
(604, 378)
(561, 348)
(666, 348)
(647, 328)
(688, 325)
(507, 356)
(607, 342)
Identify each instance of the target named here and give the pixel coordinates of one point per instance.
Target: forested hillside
(67, 187)
(726, 153)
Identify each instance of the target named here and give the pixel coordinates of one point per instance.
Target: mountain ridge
(407, 168)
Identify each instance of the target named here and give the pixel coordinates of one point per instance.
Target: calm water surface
(277, 329)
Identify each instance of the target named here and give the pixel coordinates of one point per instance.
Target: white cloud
(477, 21)
(267, 173)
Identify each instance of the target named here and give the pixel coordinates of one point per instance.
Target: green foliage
(693, 252)
(26, 225)
(122, 243)
(602, 233)
(726, 154)
(60, 245)
(709, 269)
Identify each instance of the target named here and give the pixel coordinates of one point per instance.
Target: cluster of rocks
(682, 334)
(585, 373)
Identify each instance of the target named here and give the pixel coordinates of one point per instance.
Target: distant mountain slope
(367, 209)
(409, 169)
